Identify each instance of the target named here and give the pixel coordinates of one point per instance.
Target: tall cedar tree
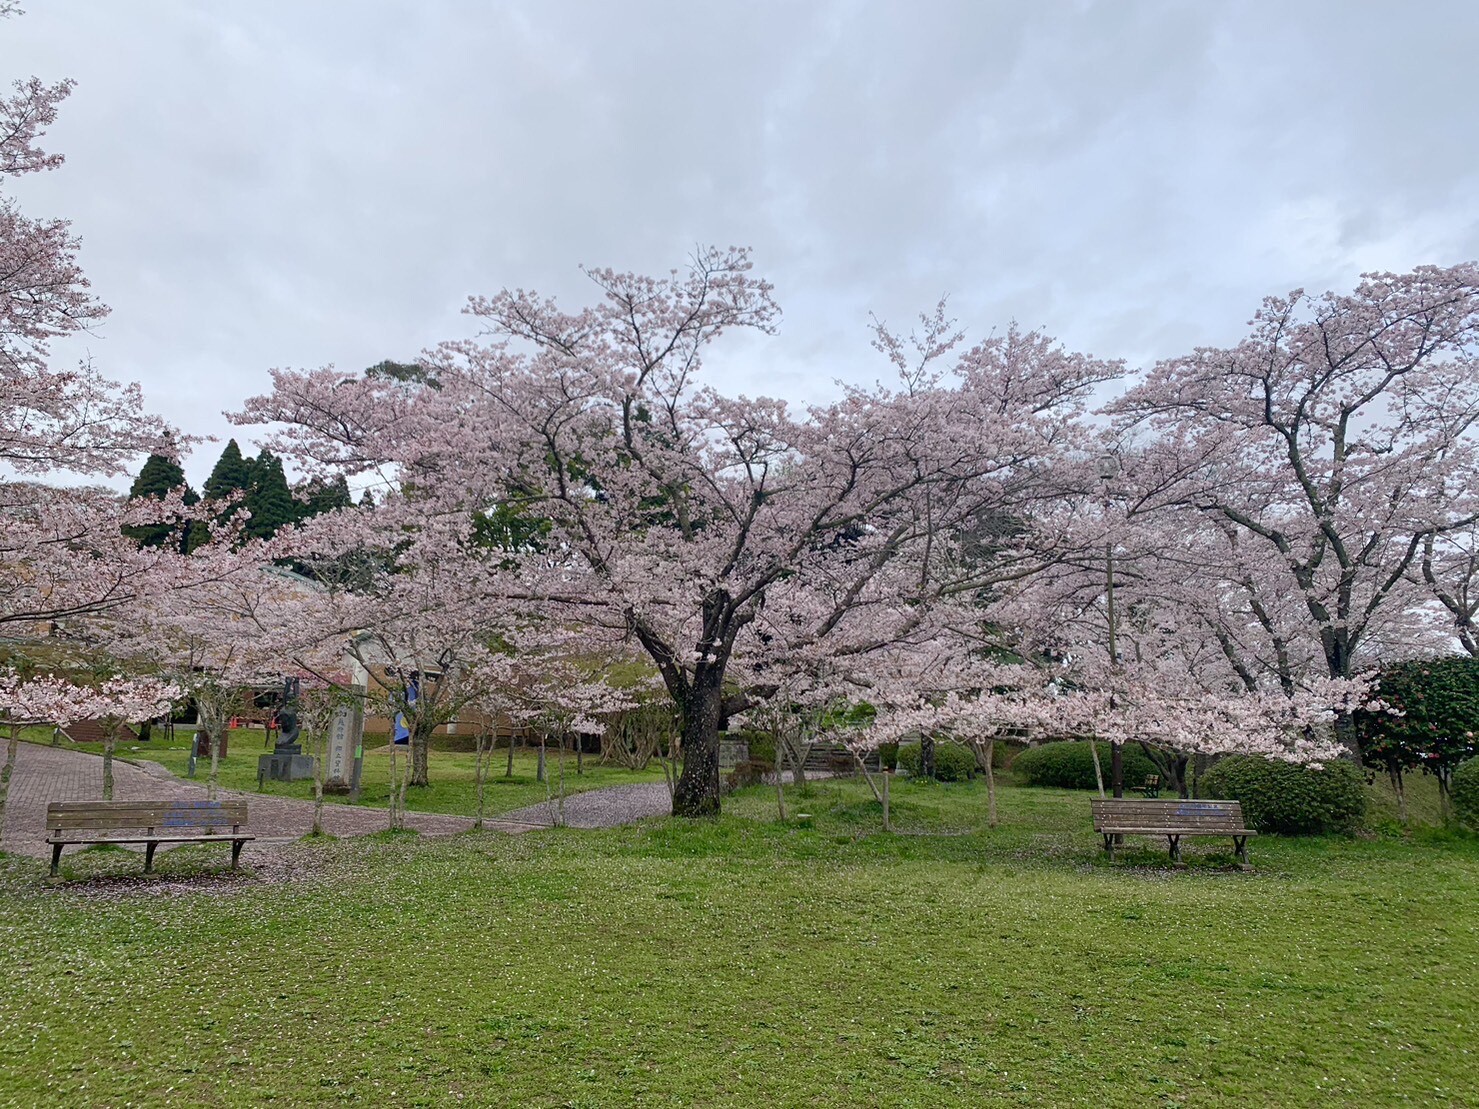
(232, 473)
(159, 477)
(268, 497)
(317, 496)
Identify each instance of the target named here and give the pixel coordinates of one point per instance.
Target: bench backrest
(136, 816)
(1201, 816)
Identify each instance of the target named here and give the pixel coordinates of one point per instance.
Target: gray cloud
(299, 183)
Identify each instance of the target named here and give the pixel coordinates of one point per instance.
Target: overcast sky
(298, 183)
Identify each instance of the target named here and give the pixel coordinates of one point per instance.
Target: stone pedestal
(284, 766)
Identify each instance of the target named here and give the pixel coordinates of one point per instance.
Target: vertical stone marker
(346, 753)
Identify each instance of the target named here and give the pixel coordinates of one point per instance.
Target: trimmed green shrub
(954, 762)
(1284, 797)
(888, 756)
(1463, 791)
(1068, 764)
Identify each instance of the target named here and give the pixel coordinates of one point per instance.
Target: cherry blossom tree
(52, 419)
(561, 694)
(1320, 456)
(424, 625)
(43, 699)
(1190, 665)
(61, 551)
(680, 517)
(948, 690)
(119, 702)
(1449, 568)
(217, 641)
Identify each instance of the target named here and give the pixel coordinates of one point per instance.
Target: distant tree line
(257, 486)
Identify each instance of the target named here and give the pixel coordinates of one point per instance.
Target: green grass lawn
(741, 962)
(452, 774)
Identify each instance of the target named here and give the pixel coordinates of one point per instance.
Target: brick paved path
(45, 774)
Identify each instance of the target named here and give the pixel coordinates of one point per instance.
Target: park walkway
(612, 806)
(44, 774)
(607, 807)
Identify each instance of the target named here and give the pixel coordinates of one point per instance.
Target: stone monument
(287, 763)
(346, 752)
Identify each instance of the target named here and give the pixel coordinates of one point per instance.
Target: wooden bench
(1151, 788)
(148, 822)
(1172, 819)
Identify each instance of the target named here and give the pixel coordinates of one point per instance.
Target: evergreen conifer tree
(316, 496)
(231, 473)
(268, 497)
(160, 476)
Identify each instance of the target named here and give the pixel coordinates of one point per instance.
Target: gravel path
(45, 774)
(612, 805)
(602, 808)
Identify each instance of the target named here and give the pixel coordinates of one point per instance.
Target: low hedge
(1285, 797)
(1463, 791)
(1067, 764)
(954, 762)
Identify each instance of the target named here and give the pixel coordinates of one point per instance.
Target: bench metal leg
(56, 857)
(1175, 848)
(149, 856)
(1109, 847)
(236, 846)
(1240, 845)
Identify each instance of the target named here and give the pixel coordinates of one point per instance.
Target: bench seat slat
(62, 815)
(1151, 819)
(154, 839)
(153, 821)
(1123, 831)
(69, 808)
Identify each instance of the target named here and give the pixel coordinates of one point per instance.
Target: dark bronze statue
(287, 720)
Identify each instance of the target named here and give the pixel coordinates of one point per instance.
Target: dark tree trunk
(926, 756)
(1172, 766)
(1117, 769)
(1394, 772)
(697, 792)
(1200, 765)
(1338, 659)
(1349, 736)
(420, 744)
